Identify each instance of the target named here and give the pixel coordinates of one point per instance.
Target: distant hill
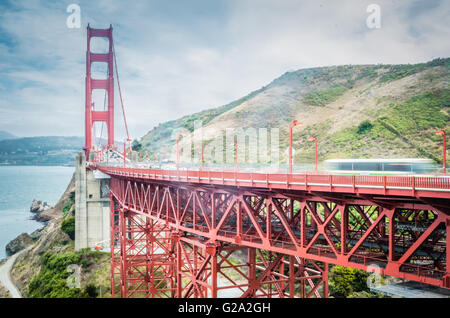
(52, 150)
(355, 111)
(6, 135)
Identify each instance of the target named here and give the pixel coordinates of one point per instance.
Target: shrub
(85, 263)
(68, 227)
(91, 290)
(346, 281)
(364, 127)
(52, 279)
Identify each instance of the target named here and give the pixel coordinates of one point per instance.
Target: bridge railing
(306, 179)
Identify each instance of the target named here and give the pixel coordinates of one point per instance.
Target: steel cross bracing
(150, 259)
(397, 235)
(205, 233)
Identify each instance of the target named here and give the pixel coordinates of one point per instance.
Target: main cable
(120, 93)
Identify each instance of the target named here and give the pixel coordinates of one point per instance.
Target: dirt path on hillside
(5, 274)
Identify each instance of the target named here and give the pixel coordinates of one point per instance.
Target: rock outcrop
(19, 243)
(38, 206)
(43, 211)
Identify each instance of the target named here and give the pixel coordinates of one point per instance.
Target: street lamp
(442, 132)
(181, 133)
(292, 124)
(315, 152)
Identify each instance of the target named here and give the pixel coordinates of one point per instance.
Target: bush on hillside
(346, 281)
(364, 127)
(68, 227)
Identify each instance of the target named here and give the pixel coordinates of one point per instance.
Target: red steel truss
(284, 230)
(150, 260)
(92, 115)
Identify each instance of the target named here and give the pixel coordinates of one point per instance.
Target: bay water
(19, 185)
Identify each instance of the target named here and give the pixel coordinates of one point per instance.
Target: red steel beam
(405, 241)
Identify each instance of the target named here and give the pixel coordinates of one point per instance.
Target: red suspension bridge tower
(91, 114)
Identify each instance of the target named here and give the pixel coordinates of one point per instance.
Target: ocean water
(19, 185)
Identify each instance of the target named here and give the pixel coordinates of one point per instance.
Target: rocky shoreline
(42, 212)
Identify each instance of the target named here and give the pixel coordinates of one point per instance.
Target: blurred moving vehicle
(380, 166)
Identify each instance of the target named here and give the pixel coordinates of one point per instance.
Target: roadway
(5, 274)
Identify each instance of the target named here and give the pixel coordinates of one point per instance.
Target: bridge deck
(410, 186)
(366, 220)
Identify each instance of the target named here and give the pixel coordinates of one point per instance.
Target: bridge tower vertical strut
(107, 84)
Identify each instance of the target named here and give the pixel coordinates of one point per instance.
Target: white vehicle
(380, 166)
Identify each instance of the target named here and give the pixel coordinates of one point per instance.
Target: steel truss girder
(188, 266)
(401, 239)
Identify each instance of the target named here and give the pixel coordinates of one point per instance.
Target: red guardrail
(294, 181)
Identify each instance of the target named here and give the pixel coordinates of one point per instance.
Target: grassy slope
(404, 103)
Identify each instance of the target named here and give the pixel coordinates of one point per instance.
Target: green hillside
(356, 111)
(40, 150)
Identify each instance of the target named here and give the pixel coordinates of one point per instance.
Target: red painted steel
(151, 259)
(403, 186)
(91, 115)
(402, 234)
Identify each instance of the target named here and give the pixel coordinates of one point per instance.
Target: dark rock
(35, 206)
(19, 243)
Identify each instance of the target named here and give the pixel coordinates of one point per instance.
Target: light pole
(181, 133)
(292, 124)
(442, 132)
(315, 151)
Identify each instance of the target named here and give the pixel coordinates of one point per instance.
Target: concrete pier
(92, 213)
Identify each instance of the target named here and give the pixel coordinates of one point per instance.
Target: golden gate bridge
(199, 232)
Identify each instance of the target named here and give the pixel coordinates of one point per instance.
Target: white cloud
(180, 57)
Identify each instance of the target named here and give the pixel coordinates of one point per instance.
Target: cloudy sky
(176, 57)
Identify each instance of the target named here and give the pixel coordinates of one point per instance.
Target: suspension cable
(120, 92)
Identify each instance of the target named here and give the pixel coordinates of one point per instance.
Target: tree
(346, 281)
(136, 145)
